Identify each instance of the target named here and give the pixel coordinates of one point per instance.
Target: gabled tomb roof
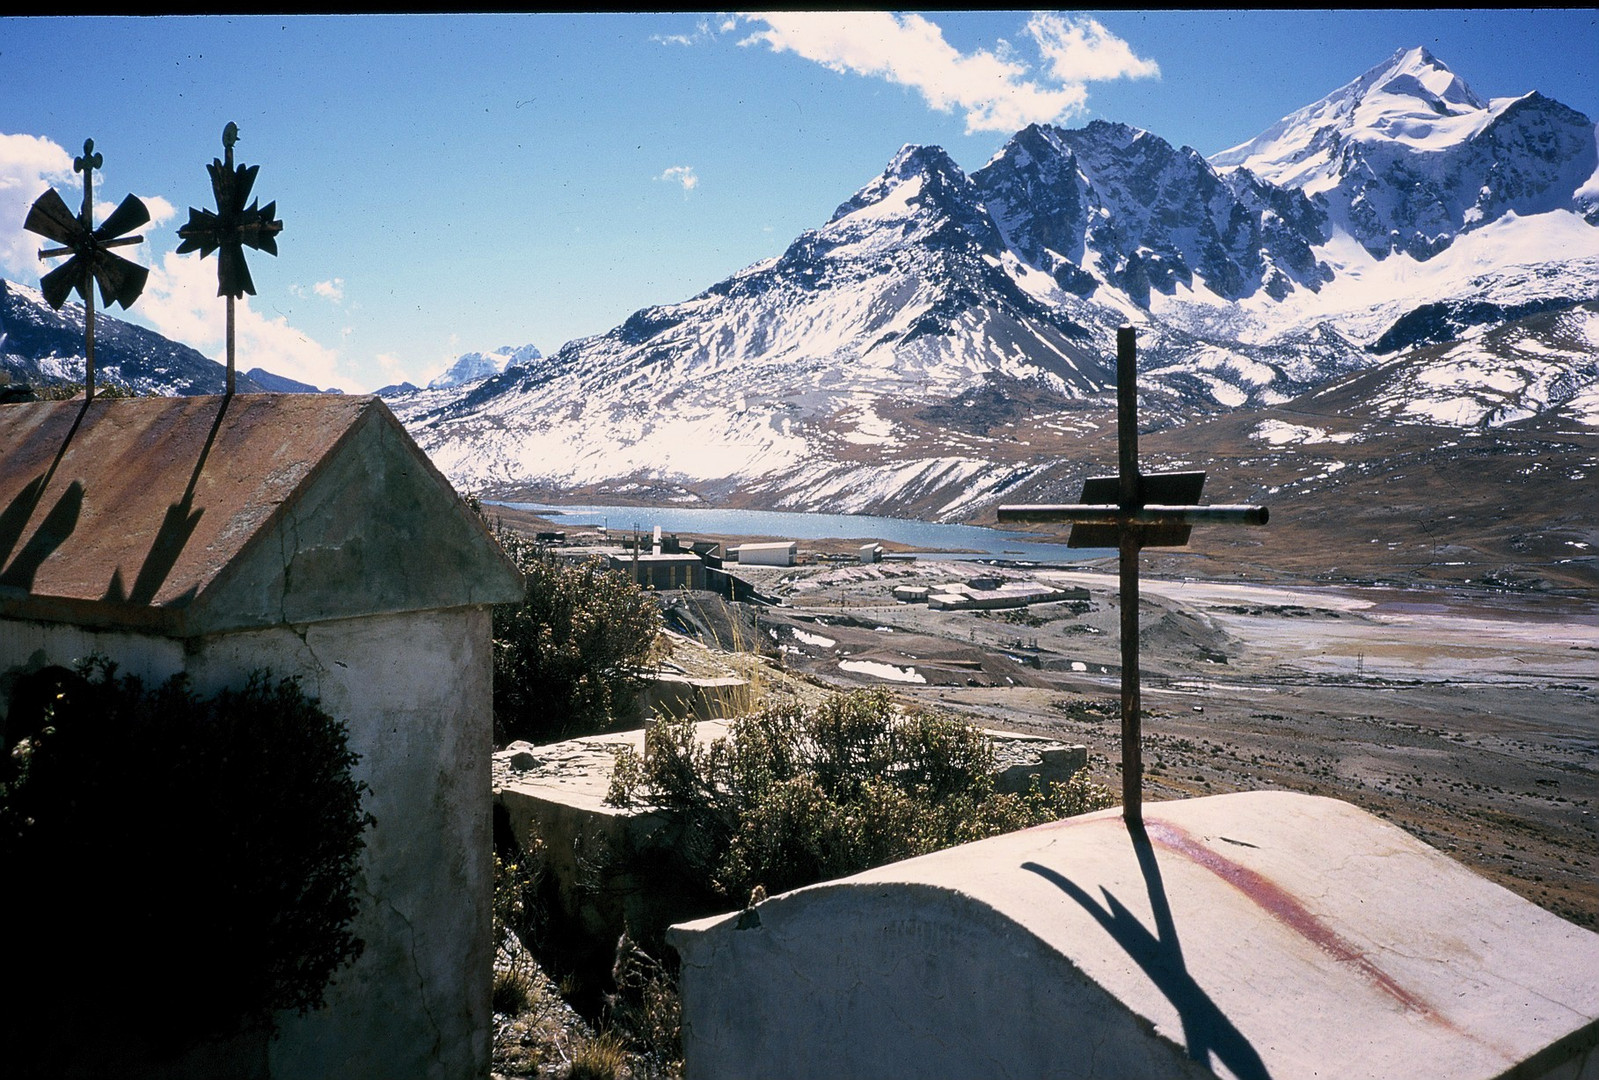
(187, 516)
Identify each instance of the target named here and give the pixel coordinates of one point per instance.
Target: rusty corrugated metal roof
(128, 509)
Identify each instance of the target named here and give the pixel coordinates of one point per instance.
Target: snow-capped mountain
(780, 379)
(1400, 256)
(1406, 157)
(1113, 205)
(1546, 364)
(476, 366)
(39, 345)
(939, 337)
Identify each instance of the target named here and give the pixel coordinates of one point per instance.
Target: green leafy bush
(570, 657)
(176, 869)
(796, 795)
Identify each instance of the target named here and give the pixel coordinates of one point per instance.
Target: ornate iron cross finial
(120, 281)
(89, 160)
(1132, 511)
(232, 227)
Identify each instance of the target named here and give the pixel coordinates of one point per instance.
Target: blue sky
(454, 183)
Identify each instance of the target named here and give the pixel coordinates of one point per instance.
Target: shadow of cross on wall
(1207, 1031)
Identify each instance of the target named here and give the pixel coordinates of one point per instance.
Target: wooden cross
(1132, 511)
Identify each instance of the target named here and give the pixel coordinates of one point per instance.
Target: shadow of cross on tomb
(1131, 511)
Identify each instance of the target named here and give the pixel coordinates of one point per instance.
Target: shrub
(64, 391)
(646, 1011)
(197, 856)
(518, 879)
(512, 994)
(796, 795)
(570, 657)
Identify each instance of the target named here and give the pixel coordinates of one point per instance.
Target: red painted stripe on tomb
(1288, 910)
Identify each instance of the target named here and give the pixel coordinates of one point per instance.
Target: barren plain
(1469, 718)
(1466, 712)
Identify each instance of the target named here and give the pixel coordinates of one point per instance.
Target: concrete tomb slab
(1254, 935)
(556, 793)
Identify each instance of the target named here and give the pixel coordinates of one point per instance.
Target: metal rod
(1129, 540)
(227, 159)
(1154, 514)
(1132, 755)
(88, 342)
(87, 217)
(50, 253)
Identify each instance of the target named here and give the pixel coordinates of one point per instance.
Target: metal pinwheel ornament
(90, 259)
(231, 228)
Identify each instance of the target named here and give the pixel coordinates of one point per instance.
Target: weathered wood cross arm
(1154, 514)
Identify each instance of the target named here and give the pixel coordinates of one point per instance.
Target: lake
(932, 539)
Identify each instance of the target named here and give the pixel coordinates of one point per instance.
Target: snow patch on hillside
(1279, 433)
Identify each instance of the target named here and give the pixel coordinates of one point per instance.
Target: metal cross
(231, 228)
(1132, 511)
(120, 281)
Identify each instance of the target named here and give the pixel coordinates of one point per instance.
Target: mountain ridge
(824, 377)
(44, 346)
(944, 339)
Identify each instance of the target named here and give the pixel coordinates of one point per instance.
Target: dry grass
(538, 1034)
(534, 1028)
(600, 1058)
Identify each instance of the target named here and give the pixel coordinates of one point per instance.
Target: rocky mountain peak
(918, 177)
(1418, 75)
(1152, 218)
(1410, 98)
(1407, 157)
(474, 366)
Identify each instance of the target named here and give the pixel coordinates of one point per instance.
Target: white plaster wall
(878, 983)
(415, 690)
(29, 646)
(767, 554)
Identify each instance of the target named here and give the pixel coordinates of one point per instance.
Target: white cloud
(161, 211)
(996, 90)
(681, 174)
(180, 302)
(703, 32)
(331, 290)
(1084, 51)
(28, 165)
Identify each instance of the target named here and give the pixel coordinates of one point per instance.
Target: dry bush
(794, 794)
